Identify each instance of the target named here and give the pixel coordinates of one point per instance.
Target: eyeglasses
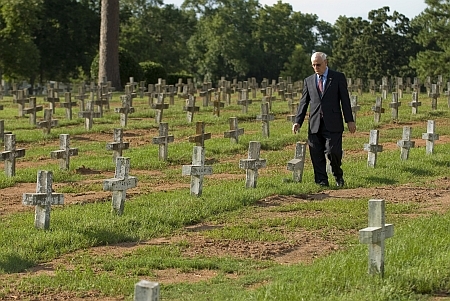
(316, 65)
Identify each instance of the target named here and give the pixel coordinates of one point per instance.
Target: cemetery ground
(282, 240)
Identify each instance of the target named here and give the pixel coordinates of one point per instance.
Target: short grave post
(252, 164)
(296, 165)
(378, 109)
(415, 103)
(373, 148)
(265, 117)
(375, 235)
(43, 199)
(197, 170)
(118, 145)
(119, 184)
(10, 154)
(48, 122)
(146, 291)
(394, 105)
(405, 144)
(32, 110)
(68, 104)
(64, 152)
(200, 135)
(234, 131)
(430, 136)
(163, 140)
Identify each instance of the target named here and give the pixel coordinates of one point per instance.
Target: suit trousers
(325, 144)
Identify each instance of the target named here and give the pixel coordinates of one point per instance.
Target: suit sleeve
(303, 106)
(345, 99)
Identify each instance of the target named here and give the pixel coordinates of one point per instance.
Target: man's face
(319, 65)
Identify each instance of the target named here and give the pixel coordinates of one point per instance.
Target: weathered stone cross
(197, 170)
(64, 152)
(354, 105)
(430, 136)
(373, 148)
(244, 101)
(163, 140)
(89, 115)
(124, 110)
(415, 103)
(159, 107)
(146, 291)
(200, 135)
(118, 145)
(234, 131)
(48, 122)
(43, 199)
(119, 184)
(434, 96)
(378, 109)
(405, 144)
(10, 154)
(52, 98)
(20, 98)
(265, 117)
(252, 164)
(394, 106)
(32, 110)
(68, 104)
(297, 164)
(375, 235)
(190, 108)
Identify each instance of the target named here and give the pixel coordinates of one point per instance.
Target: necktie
(320, 84)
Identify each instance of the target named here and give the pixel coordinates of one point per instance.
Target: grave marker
(146, 291)
(124, 110)
(64, 152)
(43, 199)
(118, 145)
(190, 108)
(373, 148)
(89, 116)
(430, 136)
(434, 96)
(244, 101)
(394, 105)
(415, 103)
(2, 130)
(68, 104)
(217, 104)
(163, 140)
(375, 235)
(20, 98)
(252, 164)
(197, 170)
(52, 98)
(120, 184)
(81, 97)
(378, 109)
(10, 154)
(265, 117)
(200, 135)
(234, 131)
(296, 165)
(48, 122)
(405, 144)
(354, 105)
(159, 107)
(32, 110)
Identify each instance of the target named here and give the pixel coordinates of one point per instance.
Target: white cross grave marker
(197, 170)
(296, 165)
(252, 164)
(430, 136)
(64, 152)
(146, 291)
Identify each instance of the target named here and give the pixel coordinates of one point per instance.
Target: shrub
(172, 78)
(152, 72)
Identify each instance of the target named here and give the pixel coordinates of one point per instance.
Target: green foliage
(152, 72)
(172, 78)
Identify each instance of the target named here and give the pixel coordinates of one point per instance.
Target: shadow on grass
(380, 180)
(13, 263)
(418, 171)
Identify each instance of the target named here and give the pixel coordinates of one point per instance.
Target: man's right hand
(295, 128)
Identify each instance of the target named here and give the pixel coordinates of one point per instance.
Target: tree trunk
(108, 63)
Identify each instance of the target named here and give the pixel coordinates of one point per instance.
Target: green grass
(417, 257)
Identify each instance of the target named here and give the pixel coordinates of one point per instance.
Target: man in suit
(326, 94)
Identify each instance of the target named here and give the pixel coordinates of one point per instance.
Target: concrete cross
(159, 107)
(163, 140)
(10, 154)
(141, 89)
(32, 110)
(234, 131)
(265, 117)
(373, 148)
(354, 105)
(430, 136)
(378, 109)
(293, 107)
(190, 108)
(405, 144)
(43, 199)
(200, 135)
(64, 152)
(384, 87)
(146, 291)
(197, 170)
(118, 145)
(244, 101)
(81, 96)
(48, 122)
(89, 116)
(124, 110)
(375, 235)
(20, 98)
(252, 164)
(120, 184)
(297, 164)
(415, 103)
(434, 96)
(217, 104)
(394, 105)
(52, 98)
(68, 104)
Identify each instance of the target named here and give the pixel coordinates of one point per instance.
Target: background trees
(43, 40)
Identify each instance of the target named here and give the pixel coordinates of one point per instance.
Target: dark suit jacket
(335, 103)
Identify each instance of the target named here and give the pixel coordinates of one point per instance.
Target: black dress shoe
(340, 182)
(323, 183)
